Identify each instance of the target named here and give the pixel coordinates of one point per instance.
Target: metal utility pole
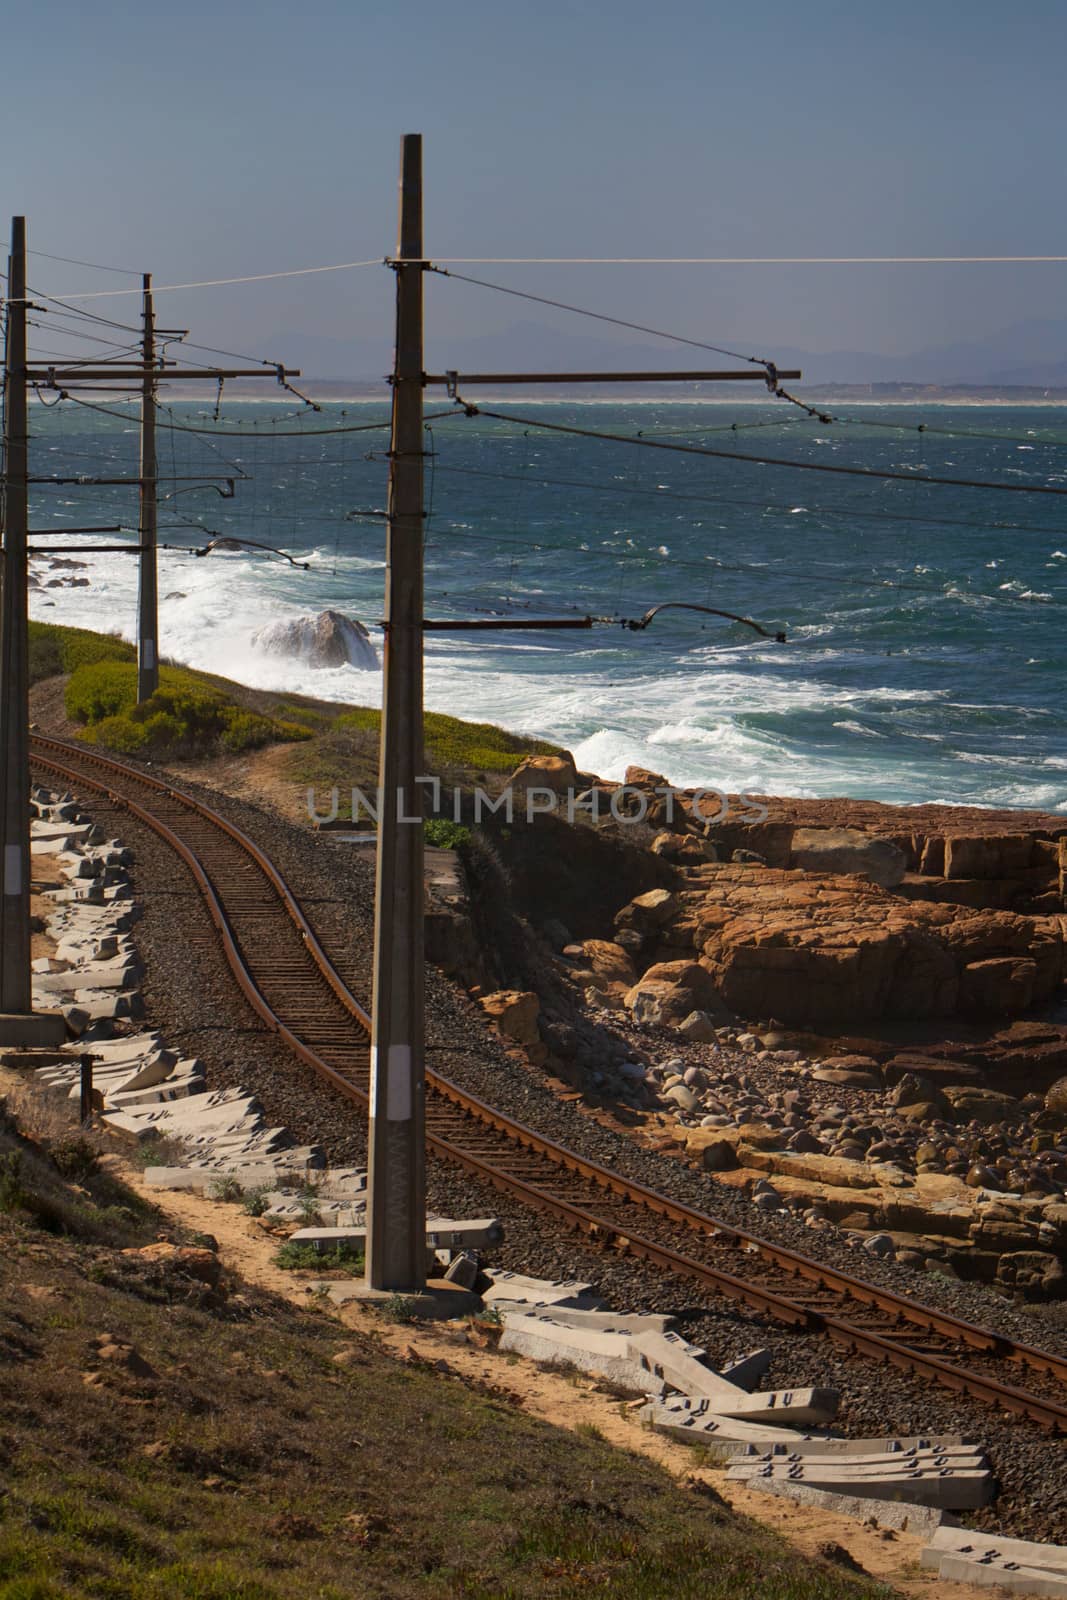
(396, 1213)
(147, 588)
(17, 1024)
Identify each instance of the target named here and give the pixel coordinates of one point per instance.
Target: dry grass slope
(167, 1439)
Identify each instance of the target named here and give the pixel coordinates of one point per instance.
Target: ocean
(926, 625)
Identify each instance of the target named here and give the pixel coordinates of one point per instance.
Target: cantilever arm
(638, 623)
(228, 539)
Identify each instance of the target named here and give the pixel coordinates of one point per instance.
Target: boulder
(812, 951)
(658, 1002)
(851, 852)
(610, 962)
(1002, 983)
(847, 1077)
(684, 849)
(643, 778)
(970, 1104)
(988, 855)
(1032, 1273)
(1056, 1098)
(711, 1150)
(557, 773)
(515, 1013)
(690, 974)
(699, 1026)
(648, 911)
(328, 640)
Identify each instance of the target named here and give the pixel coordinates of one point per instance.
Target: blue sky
(207, 140)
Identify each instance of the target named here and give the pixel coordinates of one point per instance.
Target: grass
(305, 1258)
(245, 1462)
(54, 649)
(197, 714)
(345, 753)
(445, 833)
(187, 715)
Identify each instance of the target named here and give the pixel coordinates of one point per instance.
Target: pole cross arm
(52, 377)
(450, 380)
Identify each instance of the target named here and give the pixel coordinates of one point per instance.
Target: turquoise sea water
(927, 639)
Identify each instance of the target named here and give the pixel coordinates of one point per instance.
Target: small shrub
(126, 738)
(226, 1188)
(445, 833)
(54, 649)
(13, 1196)
(398, 1308)
(305, 1258)
(76, 1157)
(185, 716)
(254, 1201)
(101, 689)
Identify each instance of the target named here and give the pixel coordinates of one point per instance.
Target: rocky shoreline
(846, 1011)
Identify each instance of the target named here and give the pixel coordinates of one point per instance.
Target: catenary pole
(396, 1221)
(147, 588)
(15, 995)
(18, 1026)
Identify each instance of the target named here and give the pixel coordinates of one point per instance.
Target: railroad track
(289, 981)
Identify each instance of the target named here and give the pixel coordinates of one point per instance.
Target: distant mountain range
(1032, 353)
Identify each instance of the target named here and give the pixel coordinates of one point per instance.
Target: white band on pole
(12, 869)
(398, 1084)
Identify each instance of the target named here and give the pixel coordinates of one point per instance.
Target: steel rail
(55, 755)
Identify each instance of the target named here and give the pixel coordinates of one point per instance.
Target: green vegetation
(187, 715)
(55, 649)
(450, 743)
(445, 833)
(225, 1445)
(195, 714)
(305, 1258)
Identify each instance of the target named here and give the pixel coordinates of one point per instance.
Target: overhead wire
(714, 564)
(94, 266)
(213, 283)
(723, 500)
(473, 410)
(86, 316)
(600, 316)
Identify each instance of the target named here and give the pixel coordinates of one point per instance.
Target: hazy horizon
(226, 145)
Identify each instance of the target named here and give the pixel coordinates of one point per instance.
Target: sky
(208, 140)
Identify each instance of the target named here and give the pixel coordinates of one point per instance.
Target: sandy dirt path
(247, 1250)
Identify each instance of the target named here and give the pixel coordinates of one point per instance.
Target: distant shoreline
(336, 391)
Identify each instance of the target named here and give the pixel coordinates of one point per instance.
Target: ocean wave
(858, 727)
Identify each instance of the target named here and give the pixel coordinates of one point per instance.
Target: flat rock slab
(541, 1291)
(603, 1355)
(697, 1420)
(747, 1370)
(1008, 1577)
(906, 1518)
(964, 1489)
(437, 1300)
(603, 1321)
(441, 1232)
(299, 1161)
(680, 1365)
(90, 975)
(178, 1086)
(978, 1546)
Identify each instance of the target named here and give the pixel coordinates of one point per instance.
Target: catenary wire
(472, 410)
(213, 283)
(94, 266)
(759, 505)
(600, 316)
